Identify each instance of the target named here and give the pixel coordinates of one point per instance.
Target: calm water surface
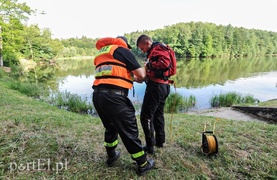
(262, 86)
(201, 79)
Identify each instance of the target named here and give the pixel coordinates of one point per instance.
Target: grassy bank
(39, 141)
(270, 103)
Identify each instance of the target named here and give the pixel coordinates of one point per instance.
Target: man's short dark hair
(143, 38)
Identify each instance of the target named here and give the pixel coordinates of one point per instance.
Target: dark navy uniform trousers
(117, 114)
(152, 112)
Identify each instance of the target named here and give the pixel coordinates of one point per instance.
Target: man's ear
(147, 43)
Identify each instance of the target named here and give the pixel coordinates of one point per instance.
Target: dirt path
(226, 113)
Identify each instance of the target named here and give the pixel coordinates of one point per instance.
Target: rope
(214, 125)
(172, 110)
(211, 144)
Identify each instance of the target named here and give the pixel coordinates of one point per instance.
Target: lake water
(202, 79)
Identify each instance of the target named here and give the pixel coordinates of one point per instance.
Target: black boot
(112, 157)
(148, 165)
(161, 145)
(148, 149)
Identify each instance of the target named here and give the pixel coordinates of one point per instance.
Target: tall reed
(175, 102)
(231, 98)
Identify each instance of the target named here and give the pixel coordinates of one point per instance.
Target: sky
(111, 18)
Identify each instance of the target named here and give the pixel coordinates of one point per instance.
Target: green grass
(71, 102)
(63, 100)
(230, 99)
(29, 89)
(33, 131)
(270, 103)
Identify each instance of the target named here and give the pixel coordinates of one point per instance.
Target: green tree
(12, 41)
(11, 15)
(229, 30)
(13, 9)
(37, 43)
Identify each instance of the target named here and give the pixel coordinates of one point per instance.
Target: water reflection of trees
(75, 67)
(192, 73)
(195, 73)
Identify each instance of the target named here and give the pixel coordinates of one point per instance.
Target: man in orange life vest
(116, 69)
(157, 90)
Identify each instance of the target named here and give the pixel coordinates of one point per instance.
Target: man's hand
(139, 75)
(138, 81)
(145, 67)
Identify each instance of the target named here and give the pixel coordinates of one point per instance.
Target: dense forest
(191, 39)
(201, 40)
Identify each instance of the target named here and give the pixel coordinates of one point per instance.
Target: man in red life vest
(116, 69)
(157, 90)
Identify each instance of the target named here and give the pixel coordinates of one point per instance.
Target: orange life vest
(109, 70)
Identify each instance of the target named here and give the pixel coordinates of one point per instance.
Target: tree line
(202, 40)
(191, 40)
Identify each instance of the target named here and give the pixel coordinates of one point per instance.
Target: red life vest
(163, 63)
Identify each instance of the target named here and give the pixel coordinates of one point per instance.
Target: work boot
(160, 145)
(112, 158)
(148, 149)
(142, 169)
